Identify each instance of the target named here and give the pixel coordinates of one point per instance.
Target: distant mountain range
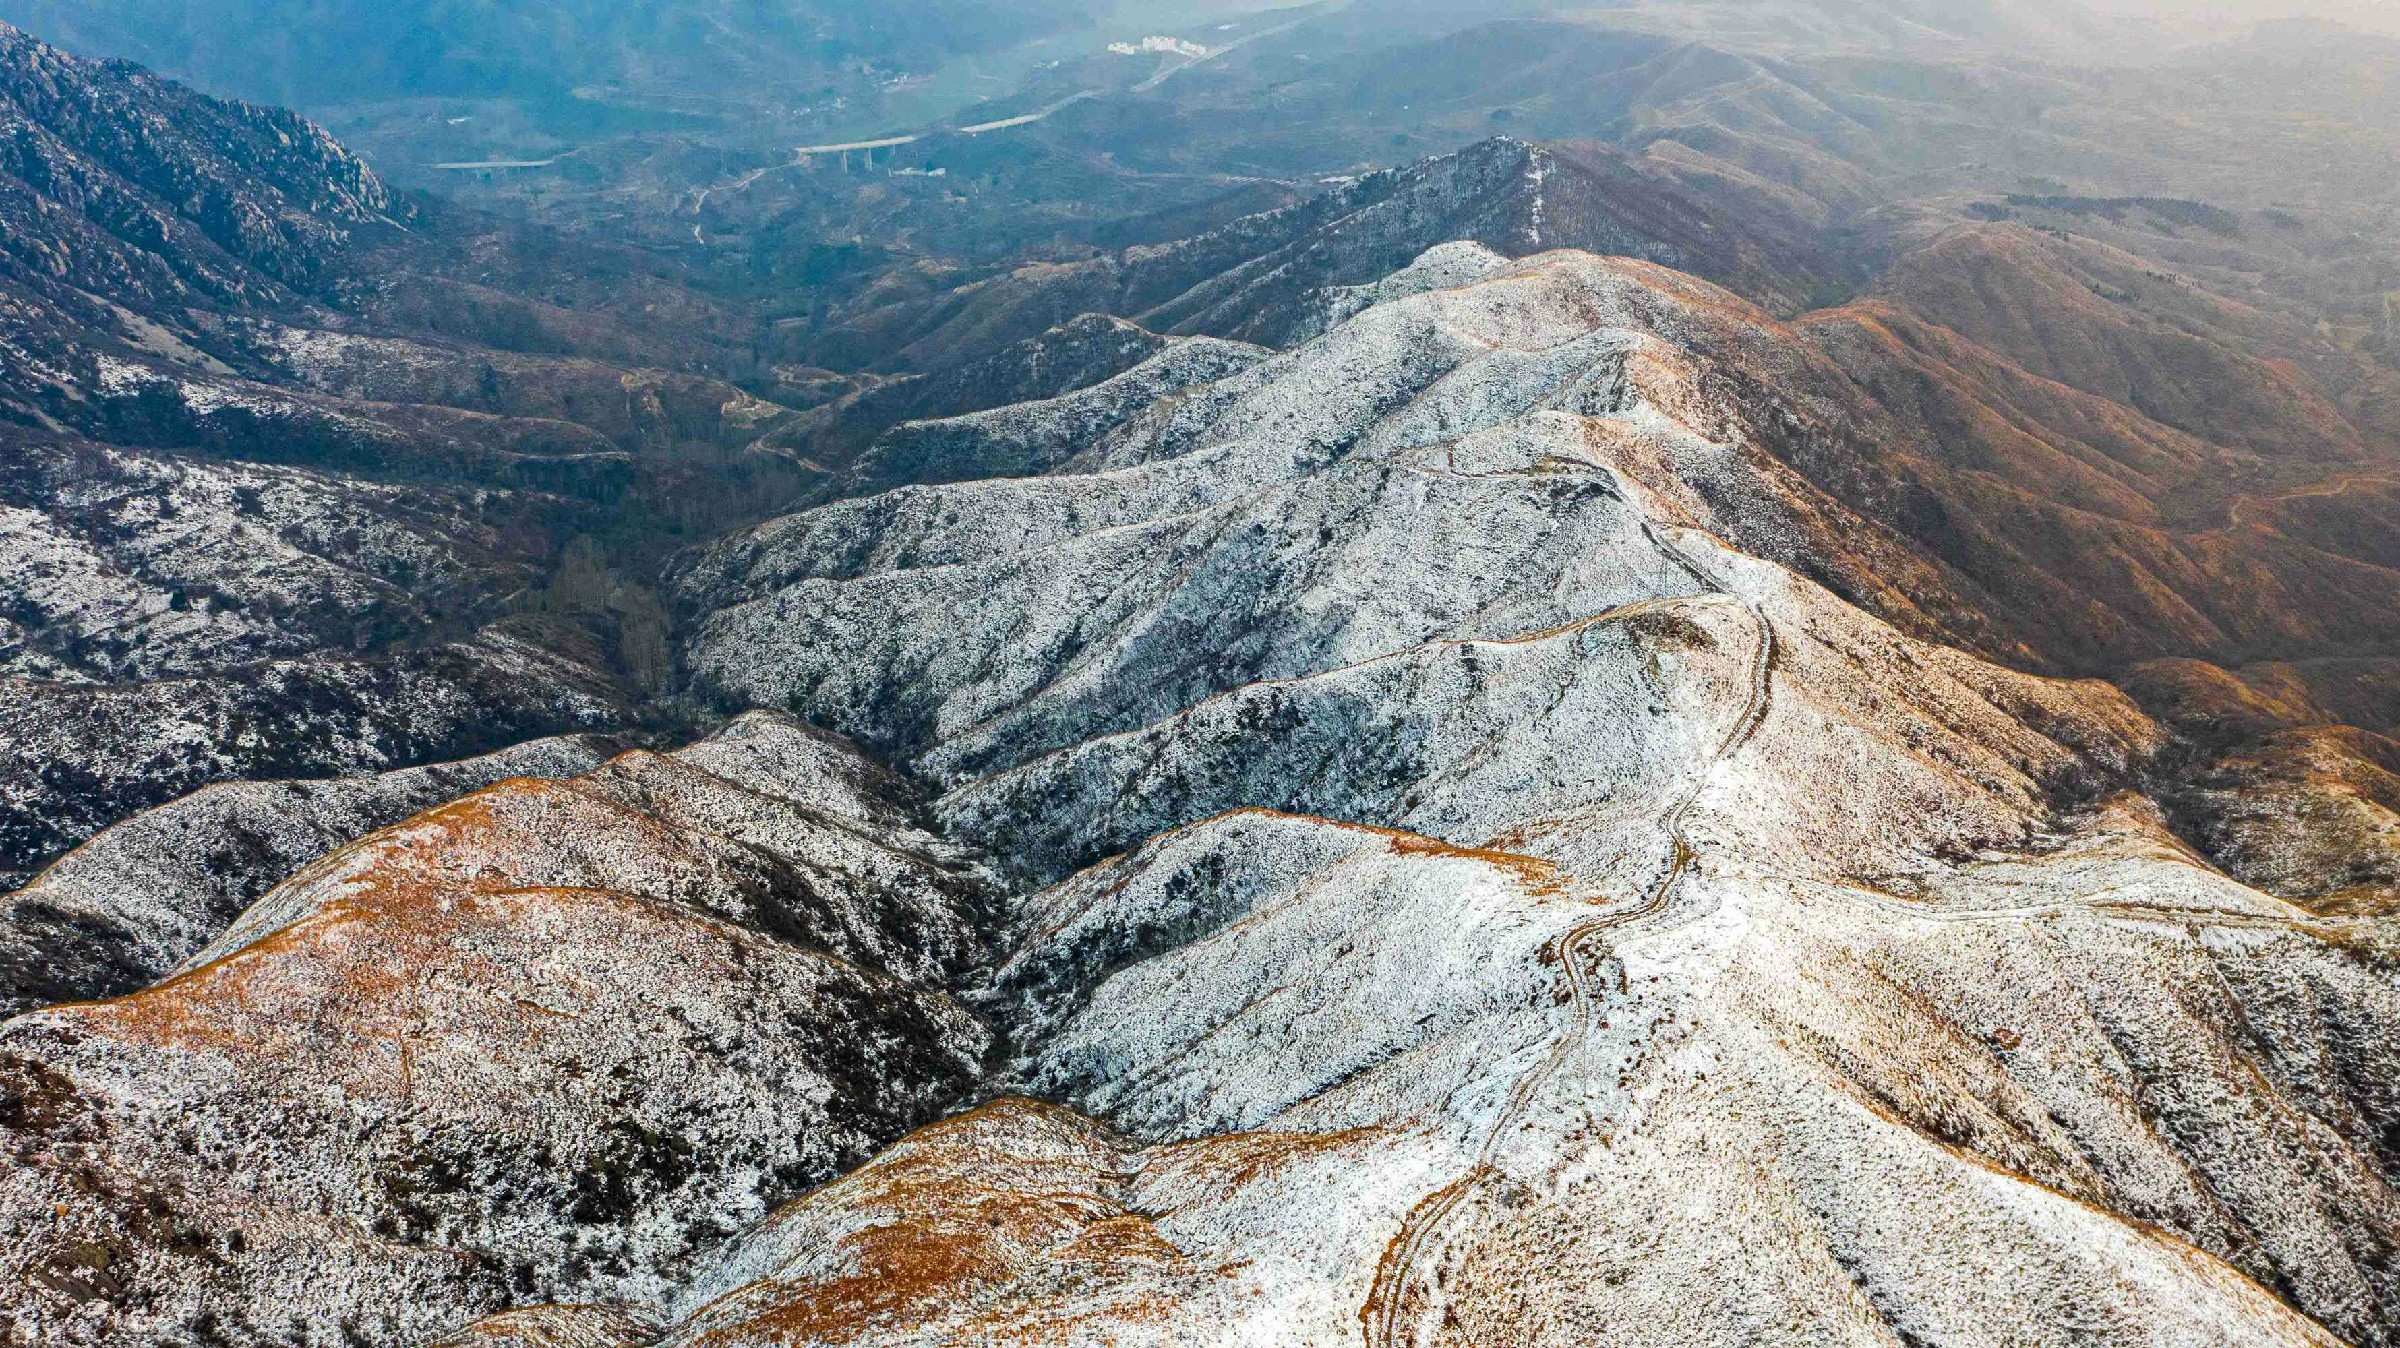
(314, 54)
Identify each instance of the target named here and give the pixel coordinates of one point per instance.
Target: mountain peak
(232, 201)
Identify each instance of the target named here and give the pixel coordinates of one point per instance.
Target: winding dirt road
(1421, 1230)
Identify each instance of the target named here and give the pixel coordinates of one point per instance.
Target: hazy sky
(2104, 31)
(2380, 15)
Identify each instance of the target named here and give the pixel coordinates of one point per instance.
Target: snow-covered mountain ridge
(1397, 840)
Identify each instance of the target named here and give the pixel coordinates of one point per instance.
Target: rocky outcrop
(120, 183)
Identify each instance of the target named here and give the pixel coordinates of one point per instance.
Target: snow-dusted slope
(1639, 943)
(1035, 437)
(1462, 882)
(543, 1043)
(137, 900)
(1365, 1083)
(173, 622)
(1475, 463)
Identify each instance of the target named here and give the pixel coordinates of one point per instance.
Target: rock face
(1449, 833)
(542, 1044)
(156, 193)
